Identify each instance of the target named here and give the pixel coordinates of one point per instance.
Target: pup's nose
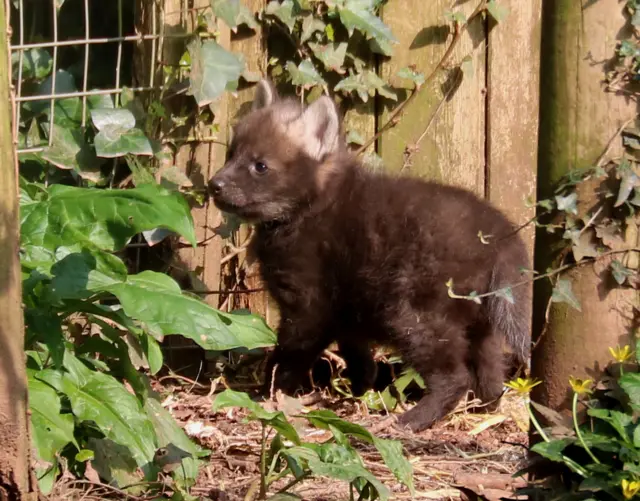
(216, 186)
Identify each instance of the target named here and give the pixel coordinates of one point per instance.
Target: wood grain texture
(14, 453)
(453, 150)
(578, 119)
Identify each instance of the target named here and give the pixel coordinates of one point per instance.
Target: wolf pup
(357, 257)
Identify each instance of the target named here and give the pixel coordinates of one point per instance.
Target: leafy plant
(336, 458)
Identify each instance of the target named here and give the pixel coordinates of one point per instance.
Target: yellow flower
(621, 354)
(630, 489)
(580, 386)
(523, 386)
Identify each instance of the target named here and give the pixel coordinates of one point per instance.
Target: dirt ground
(467, 453)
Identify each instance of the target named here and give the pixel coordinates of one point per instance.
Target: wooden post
(577, 120)
(15, 481)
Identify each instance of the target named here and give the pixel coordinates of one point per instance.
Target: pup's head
(280, 157)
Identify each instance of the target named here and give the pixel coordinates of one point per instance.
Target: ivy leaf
(585, 245)
(497, 11)
(568, 203)
(331, 55)
(354, 137)
(69, 151)
(51, 431)
(311, 25)
(357, 14)
(563, 293)
(284, 11)
(213, 70)
(233, 13)
(506, 293)
(411, 74)
(629, 181)
(456, 17)
(305, 74)
(117, 134)
(620, 272)
(156, 300)
(67, 111)
(36, 63)
(552, 450)
(365, 84)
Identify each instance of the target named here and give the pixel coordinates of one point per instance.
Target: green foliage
(335, 459)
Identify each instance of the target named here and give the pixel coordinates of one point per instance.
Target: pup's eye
(260, 168)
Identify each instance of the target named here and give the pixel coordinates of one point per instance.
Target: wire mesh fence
(45, 31)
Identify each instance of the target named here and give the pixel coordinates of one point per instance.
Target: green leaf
(50, 430)
(36, 63)
(630, 383)
(506, 294)
(365, 84)
(277, 420)
(105, 219)
(620, 272)
(213, 70)
(354, 137)
(568, 203)
(67, 111)
(410, 74)
(563, 293)
(497, 11)
(357, 14)
(285, 11)
(310, 25)
(118, 134)
(156, 300)
(233, 13)
(84, 455)
(552, 450)
(305, 74)
(69, 151)
(629, 181)
(116, 412)
(331, 55)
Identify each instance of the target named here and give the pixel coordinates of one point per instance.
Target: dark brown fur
(360, 258)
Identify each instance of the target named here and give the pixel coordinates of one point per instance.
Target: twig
(612, 140)
(294, 482)
(336, 358)
(263, 463)
(397, 113)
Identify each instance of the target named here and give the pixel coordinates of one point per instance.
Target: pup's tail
(512, 320)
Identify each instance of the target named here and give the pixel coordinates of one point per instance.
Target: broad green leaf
(310, 25)
(331, 55)
(411, 74)
(50, 430)
(116, 412)
(365, 84)
(630, 383)
(36, 63)
(156, 300)
(116, 465)
(618, 420)
(357, 14)
(277, 420)
(390, 450)
(85, 455)
(629, 181)
(105, 219)
(213, 69)
(233, 13)
(563, 293)
(69, 151)
(285, 11)
(305, 74)
(153, 353)
(347, 472)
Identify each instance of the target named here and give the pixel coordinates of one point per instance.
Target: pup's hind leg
(436, 346)
(487, 364)
(361, 368)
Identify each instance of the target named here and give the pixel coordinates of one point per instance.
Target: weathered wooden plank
(577, 121)
(453, 150)
(14, 453)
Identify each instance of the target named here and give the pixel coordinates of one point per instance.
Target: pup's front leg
(297, 350)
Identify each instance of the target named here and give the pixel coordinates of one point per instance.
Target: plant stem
(577, 428)
(263, 463)
(294, 482)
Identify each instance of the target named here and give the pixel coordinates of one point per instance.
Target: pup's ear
(321, 126)
(266, 95)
